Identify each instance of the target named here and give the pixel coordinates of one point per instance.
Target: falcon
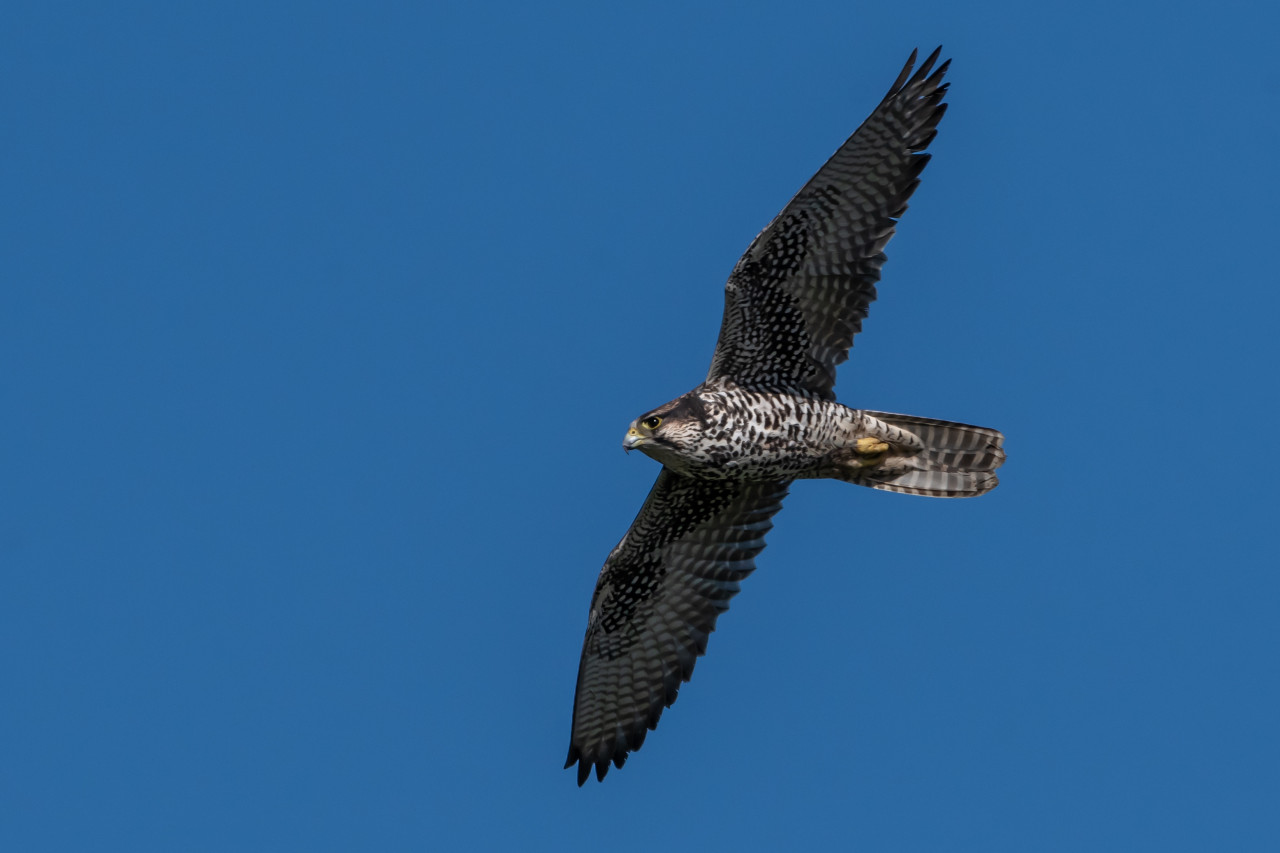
(766, 416)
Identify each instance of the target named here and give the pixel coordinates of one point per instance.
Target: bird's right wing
(800, 292)
(655, 604)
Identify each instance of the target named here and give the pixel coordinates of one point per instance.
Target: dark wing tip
(928, 64)
(584, 765)
(575, 757)
(903, 75)
(921, 76)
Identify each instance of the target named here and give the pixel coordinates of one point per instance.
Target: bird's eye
(651, 423)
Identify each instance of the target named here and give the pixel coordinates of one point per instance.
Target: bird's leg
(868, 452)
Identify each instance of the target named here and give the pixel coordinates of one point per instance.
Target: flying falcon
(765, 416)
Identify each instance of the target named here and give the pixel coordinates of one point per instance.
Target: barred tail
(939, 459)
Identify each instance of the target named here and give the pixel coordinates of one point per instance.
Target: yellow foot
(869, 452)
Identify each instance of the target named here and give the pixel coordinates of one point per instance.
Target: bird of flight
(765, 416)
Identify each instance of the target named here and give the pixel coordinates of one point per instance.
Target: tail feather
(930, 457)
(935, 484)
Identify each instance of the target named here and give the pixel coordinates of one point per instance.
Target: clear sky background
(321, 325)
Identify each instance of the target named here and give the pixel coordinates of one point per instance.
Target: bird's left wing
(798, 296)
(655, 604)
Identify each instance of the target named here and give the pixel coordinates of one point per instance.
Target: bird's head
(668, 432)
(645, 431)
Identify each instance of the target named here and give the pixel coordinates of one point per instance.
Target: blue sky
(321, 325)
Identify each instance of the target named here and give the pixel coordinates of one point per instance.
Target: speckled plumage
(766, 416)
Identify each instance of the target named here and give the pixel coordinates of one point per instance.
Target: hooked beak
(633, 440)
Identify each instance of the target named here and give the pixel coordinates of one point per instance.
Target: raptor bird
(765, 416)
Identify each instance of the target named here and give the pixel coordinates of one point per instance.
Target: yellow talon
(869, 446)
(868, 452)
